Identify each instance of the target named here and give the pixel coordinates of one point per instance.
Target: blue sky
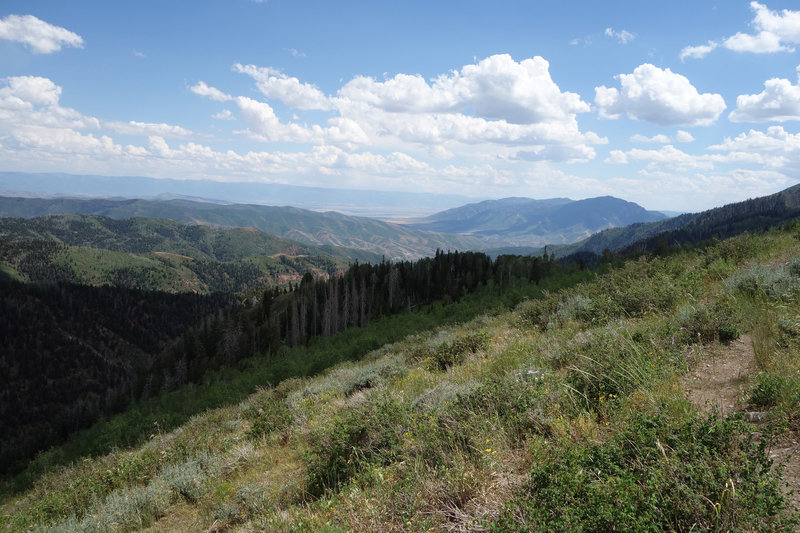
(674, 105)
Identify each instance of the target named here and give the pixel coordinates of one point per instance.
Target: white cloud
(684, 137)
(210, 92)
(764, 42)
(494, 102)
(623, 36)
(295, 52)
(496, 88)
(32, 101)
(29, 90)
(264, 125)
(616, 157)
(698, 52)
(137, 53)
(775, 32)
(670, 157)
(147, 129)
(225, 114)
(779, 101)
(659, 96)
(775, 140)
(40, 36)
(660, 138)
(291, 91)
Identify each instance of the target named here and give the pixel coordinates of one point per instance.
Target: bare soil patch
(719, 383)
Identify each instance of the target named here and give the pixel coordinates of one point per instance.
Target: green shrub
(516, 402)
(368, 433)
(271, 415)
(452, 353)
(705, 324)
(701, 474)
(773, 390)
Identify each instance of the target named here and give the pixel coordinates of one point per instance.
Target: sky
(680, 105)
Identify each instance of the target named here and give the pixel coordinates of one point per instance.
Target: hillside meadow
(565, 413)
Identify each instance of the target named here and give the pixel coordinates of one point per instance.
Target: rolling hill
(158, 254)
(529, 222)
(308, 227)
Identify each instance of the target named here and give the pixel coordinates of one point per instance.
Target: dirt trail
(720, 382)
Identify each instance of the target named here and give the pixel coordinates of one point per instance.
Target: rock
(755, 416)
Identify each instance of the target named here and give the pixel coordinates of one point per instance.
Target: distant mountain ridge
(308, 227)
(530, 222)
(349, 201)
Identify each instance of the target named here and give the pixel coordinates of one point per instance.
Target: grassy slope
(564, 414)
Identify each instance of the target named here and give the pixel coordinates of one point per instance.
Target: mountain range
(348, 201)
(301, 225)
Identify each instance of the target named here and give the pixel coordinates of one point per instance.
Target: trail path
(720, 382)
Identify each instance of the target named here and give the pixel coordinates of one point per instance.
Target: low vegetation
(563, 413)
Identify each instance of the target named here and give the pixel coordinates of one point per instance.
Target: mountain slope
(309, 227)
(756, 214)
(564, 414)
(528, 222)
(156, 254)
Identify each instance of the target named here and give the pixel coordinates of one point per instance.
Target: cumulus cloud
(33, 100)
(684, 136)
(495, 102)
(202, 89)
(775, 140)
(779, 101)
(291, 91)
(40, 36)
(659, 96)
(496, 88)
(776, 31)
(623, 36)
(264, 125)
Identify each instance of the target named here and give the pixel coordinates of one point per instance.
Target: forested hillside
(72, 353)
(94, 335)
(156, 254)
